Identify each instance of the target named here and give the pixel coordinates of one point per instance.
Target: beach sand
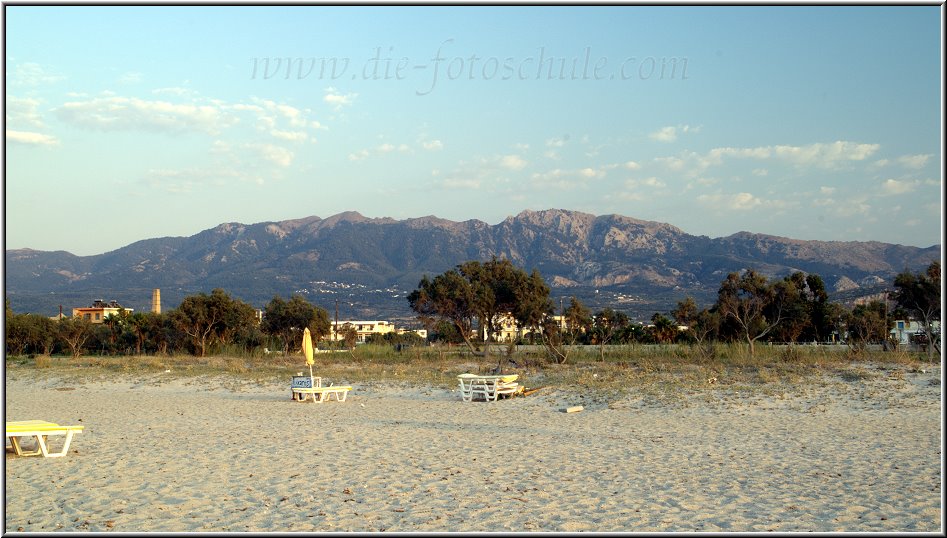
(219, 454)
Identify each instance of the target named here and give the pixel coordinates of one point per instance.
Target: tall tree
(447, 297)
(744, 300)
(662, 329)
(478, 297)
(211, 319)
(74, 332)
(821, 313)
(920, 295)
(288, 319)
(557, 336)
(790, 298)
(866, 324)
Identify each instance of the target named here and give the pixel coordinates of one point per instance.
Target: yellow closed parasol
(307, 349)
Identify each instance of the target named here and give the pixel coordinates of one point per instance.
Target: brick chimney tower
(156, 301)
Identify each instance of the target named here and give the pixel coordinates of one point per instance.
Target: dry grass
(663, 373)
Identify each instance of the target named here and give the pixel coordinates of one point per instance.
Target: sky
(125, 123)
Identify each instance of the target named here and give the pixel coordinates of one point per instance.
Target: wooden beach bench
(486, 387)
(41, 431)
(305, 387)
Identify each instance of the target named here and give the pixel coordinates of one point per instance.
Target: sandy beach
(217, 454)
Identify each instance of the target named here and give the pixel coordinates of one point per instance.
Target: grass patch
(658, 372)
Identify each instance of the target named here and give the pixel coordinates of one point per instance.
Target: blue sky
(810, 122)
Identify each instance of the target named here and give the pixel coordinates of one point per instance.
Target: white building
(904, 329)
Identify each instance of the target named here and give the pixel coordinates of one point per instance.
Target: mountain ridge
(576, 252)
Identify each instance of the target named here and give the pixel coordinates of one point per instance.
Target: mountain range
(367, 266)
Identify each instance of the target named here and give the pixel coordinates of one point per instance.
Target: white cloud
(760, 172)
(557, 142)
(551, 174)
(664, 134)
(32, 74)
(827, 191)
(274, 154)
(432, 145)
(131, 77)
(338, 100)
(852, 207)
(700, 181)
(30, 138)
(741, 201)
(670, 133)
(131, 114)
(899, 186)
(212, 116)
(651, 184)
(826, 154)
(359, 155)
(513, 162)
(381, 149)
(914, 161)
(291, 136)
(673, 163)
(567, 179)
(591, 173)
(174, 90)
(632, 165)
(829, 155)
(23, 112)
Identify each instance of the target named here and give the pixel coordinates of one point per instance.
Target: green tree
(501, 290)
(533, 304)
(42, 334)
(349, 335)
(606, 325)
(790, 298)
(866, 324)
(138, 325)
(702, 325)
(286, 320)
(559, 336)
(211, 319)
(447, 297)
(745, 300)
(920, 295)
(73, 333)
(685, 313)
(17, 332)
(662, 329)
(821, 313)
(475, 297)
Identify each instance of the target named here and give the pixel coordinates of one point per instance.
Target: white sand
(175, 456)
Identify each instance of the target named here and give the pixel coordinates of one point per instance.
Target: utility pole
(336, 329)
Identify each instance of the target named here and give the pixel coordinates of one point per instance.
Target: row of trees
(201, 325)
(478, 298)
